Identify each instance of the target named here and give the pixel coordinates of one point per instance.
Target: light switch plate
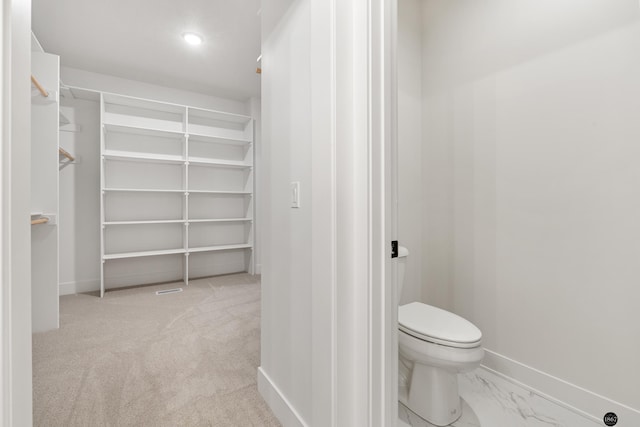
(295, 194)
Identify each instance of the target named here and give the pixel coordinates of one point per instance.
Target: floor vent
(169, 291)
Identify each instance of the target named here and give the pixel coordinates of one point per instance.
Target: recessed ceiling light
(192, 38)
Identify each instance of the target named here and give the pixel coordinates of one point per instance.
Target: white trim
(324, 221)
(391, 205)
(79, 287)
(15, 167)
(559, 391)
(258, 270)
(5, 307)
(382, 112)
(354, 271)
(279, 404)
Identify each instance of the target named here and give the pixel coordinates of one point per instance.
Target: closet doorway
(145, 213)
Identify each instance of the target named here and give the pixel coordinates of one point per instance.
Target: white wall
(271, 13)
(530, 182)
(286, 251)
(105, 83)
(327, 326)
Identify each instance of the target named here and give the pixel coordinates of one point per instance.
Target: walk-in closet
(145, 165)
(175, 189)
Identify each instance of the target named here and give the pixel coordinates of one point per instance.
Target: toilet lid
(433, 324)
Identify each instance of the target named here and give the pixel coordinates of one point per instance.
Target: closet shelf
(154, 190)
(124, 255)
(144, 119)
(172, 159)
(141, 130)
(143, 190)
(178, 221)
(220, 248)
(159, 221)
(142, 157)
(202, 161)
(220, 116)
(218, 140)
(196, 221)
(231, 193)
(143, 254)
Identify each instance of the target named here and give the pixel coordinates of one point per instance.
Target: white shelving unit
(175, 181)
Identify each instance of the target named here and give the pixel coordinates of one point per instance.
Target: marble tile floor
(491, 401)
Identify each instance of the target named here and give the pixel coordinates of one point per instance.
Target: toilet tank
(403, 253)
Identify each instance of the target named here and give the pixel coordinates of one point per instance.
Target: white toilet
(434, 346)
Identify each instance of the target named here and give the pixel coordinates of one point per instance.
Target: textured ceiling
(141, 40)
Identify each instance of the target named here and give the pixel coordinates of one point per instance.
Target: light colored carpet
(137, 359)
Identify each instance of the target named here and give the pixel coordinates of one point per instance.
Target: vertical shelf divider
(252, 201)
(186, 196)
(102, 196)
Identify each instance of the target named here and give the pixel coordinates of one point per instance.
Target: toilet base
(433, 395)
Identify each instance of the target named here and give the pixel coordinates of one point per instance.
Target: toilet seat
(432, 324)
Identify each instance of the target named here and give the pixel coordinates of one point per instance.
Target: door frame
(15, 229)
(383, 198)
(377, 33)
(364, 300)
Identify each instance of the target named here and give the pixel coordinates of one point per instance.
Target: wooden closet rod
(66, 154)
(39, 221)
(38, 86)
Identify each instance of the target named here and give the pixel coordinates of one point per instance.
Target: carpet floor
(135, 358)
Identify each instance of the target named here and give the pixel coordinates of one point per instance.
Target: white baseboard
(258, 269)
(82, 286)
(70, 288)
(281, 407)
(208, 272)
(561, 392)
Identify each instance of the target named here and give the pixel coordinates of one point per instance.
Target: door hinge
(394, 249)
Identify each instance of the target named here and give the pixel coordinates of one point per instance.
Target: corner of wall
(570, 396)
(279, 404)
